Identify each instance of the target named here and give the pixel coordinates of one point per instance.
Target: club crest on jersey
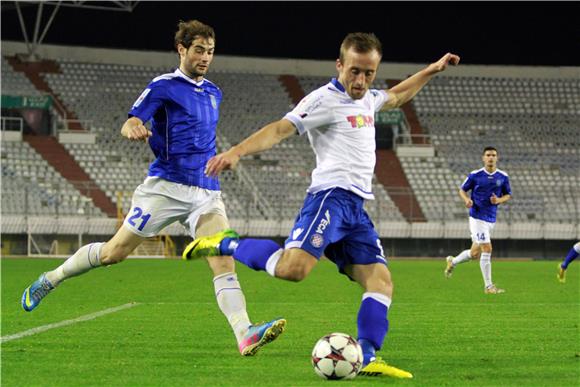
(213, 101)
(499, 182)
(316, 240)
(360, 121)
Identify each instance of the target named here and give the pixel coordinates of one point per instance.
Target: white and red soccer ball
(337, 356)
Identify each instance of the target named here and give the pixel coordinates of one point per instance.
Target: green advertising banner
(18, 102)
(389, 117)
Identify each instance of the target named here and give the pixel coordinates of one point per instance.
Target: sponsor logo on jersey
(361, 121)
(296, 233)
(141, 97)
(198, 89)
(323, 223)
(316, 240)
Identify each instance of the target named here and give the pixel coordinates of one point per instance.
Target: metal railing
(13, 124)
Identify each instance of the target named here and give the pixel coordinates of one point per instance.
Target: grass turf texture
(446, 332)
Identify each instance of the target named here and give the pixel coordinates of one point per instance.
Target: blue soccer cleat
(36, 292)
(260, 335)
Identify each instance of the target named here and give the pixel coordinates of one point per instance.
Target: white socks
(85, 259)
(485, 265)
(232, 303)
(464, 256)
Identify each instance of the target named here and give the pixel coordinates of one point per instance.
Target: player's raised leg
(86, 258)
(572, 255)
(259, 254)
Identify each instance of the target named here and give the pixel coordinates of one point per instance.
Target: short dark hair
(489, 148)
(189, 30)
(362, 42)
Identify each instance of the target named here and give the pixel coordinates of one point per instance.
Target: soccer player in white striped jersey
(338, 119)
(489, 188)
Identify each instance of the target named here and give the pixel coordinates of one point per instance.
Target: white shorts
(157, 203)
(480, 230)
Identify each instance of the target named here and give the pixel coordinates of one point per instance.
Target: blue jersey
(184, 115)
(483, 185)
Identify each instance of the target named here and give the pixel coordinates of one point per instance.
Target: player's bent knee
(292, 273)
(295, 265)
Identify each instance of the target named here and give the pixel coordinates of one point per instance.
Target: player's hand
(494, 199)
(225, 160)
(469, 203)
(446, 60)
(137, 133)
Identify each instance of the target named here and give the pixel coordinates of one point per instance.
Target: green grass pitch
(446, 332)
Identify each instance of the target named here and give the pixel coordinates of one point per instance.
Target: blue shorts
(334, 223)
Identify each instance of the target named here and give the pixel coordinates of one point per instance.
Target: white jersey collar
(181, 74)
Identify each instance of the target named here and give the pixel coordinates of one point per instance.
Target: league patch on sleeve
(141, 97)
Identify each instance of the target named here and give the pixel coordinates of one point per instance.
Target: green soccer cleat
(378, 367)
(561, 274)
(208, 246)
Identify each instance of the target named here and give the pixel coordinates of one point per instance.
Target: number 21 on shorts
(138, 214)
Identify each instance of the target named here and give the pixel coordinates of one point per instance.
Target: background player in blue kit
(338, 119)
(572, 255)
(489, 188)
(183, 107)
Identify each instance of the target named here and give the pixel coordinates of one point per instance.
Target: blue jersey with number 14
(184, 115)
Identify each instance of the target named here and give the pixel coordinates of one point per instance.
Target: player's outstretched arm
(407, 89)
(262, 140)
(134, 129)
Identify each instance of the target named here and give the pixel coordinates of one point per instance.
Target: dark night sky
(518, 33)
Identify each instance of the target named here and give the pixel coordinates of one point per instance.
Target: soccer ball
(337, 356)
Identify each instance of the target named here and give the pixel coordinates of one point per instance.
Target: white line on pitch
(87, 317)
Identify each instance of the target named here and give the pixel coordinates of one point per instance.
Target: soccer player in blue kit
(338, 119)
(489, 188)
(183, 107)
(572, 255)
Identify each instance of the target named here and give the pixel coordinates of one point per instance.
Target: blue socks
(253, 253)
(372, 324)
(572, 255)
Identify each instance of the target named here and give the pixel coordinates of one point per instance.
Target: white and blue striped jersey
(184, 115)
(341, 131)
(483, 185)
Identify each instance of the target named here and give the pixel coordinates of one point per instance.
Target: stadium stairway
(33, 70)
(292, 85)
(390, 174)
(57, 156)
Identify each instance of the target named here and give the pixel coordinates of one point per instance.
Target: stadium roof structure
(35, 38)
